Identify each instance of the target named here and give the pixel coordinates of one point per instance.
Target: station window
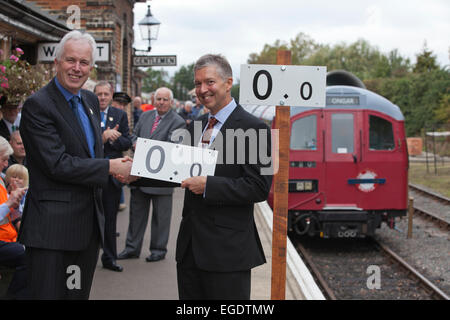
(381, 135)
(304, 133)
(342, 132)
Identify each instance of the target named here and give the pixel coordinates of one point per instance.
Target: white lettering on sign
(148, 61)
(283, 85)
(47, 52)
(171, 162)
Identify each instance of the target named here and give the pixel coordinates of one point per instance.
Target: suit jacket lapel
(232, 121)
(110, 118)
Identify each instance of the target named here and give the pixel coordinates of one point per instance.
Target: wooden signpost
(282, 85)
(280, 201)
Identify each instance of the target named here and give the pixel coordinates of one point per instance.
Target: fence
(436, 145)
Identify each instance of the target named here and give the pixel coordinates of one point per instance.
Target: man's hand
(195, 184)
(111, 134)
(120, 168)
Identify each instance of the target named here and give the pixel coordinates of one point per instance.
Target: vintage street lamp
(149, 27)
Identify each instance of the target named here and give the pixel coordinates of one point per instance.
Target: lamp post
(149, 27)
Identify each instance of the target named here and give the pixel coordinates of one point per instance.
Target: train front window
(381, 135)
(304, 133)
(342, 133)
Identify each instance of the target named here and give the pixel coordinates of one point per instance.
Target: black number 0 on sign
(273, 85)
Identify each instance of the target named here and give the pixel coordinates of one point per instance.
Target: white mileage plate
(171, 162)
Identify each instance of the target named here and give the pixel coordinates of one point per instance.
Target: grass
(439, 182)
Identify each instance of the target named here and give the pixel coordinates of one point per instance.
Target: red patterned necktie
(155, 124)
(208, 132)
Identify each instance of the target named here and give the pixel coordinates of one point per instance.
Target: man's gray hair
(170, 92)
(76, 35)
(220, 62)
(104, 83)
(5, 147)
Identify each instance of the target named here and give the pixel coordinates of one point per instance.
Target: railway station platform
(141, 280)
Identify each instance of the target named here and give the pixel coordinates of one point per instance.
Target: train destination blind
(283, 85)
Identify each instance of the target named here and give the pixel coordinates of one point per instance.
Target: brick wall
(106, 20)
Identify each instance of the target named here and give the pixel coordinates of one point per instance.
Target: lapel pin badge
(111, 118)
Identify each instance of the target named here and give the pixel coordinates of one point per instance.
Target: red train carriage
(348, 162)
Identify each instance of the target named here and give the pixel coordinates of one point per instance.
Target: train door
(342, 153)
(384, 163)
(306, 161)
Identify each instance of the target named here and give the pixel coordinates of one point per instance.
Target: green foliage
(183, 81)
(426, 61)
(422, 97)
(154, 80)
(443, 111)
(302, 47)
(235, 91)
(421, 90)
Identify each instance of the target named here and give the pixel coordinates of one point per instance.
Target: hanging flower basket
(19, 79)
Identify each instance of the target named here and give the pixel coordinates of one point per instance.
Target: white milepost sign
(283, 85)
(171, 162)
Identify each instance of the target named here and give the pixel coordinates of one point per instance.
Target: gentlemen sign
(154, 61)
(171, 162)
(283, 85)
(47, 52)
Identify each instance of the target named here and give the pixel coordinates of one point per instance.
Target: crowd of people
(73, 155)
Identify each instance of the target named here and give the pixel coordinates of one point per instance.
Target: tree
(155, 79)
(442, 113)
(268, 55)
(301, 47)
(183, 81)
(426, 61)
(360, 57)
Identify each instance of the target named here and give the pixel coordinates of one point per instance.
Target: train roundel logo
(367, 187)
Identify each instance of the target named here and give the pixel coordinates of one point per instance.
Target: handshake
(120, 169)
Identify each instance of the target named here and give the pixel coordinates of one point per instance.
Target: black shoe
(113, 266)
(126, 255)
(153, 257)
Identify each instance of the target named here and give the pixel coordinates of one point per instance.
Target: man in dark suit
(218, 242)
(116, 139)
(158, 124)
(19, 155)
(10, 121)
(63, 222)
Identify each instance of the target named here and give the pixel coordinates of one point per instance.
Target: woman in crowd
(12, 253)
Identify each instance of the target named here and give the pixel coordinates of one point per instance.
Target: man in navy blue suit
(63, 223)
(116, 139)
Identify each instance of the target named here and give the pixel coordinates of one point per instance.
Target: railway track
(434, 215)
(430, 194)
(363, 269)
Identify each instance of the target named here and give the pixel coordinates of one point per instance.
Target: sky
(237, 28)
